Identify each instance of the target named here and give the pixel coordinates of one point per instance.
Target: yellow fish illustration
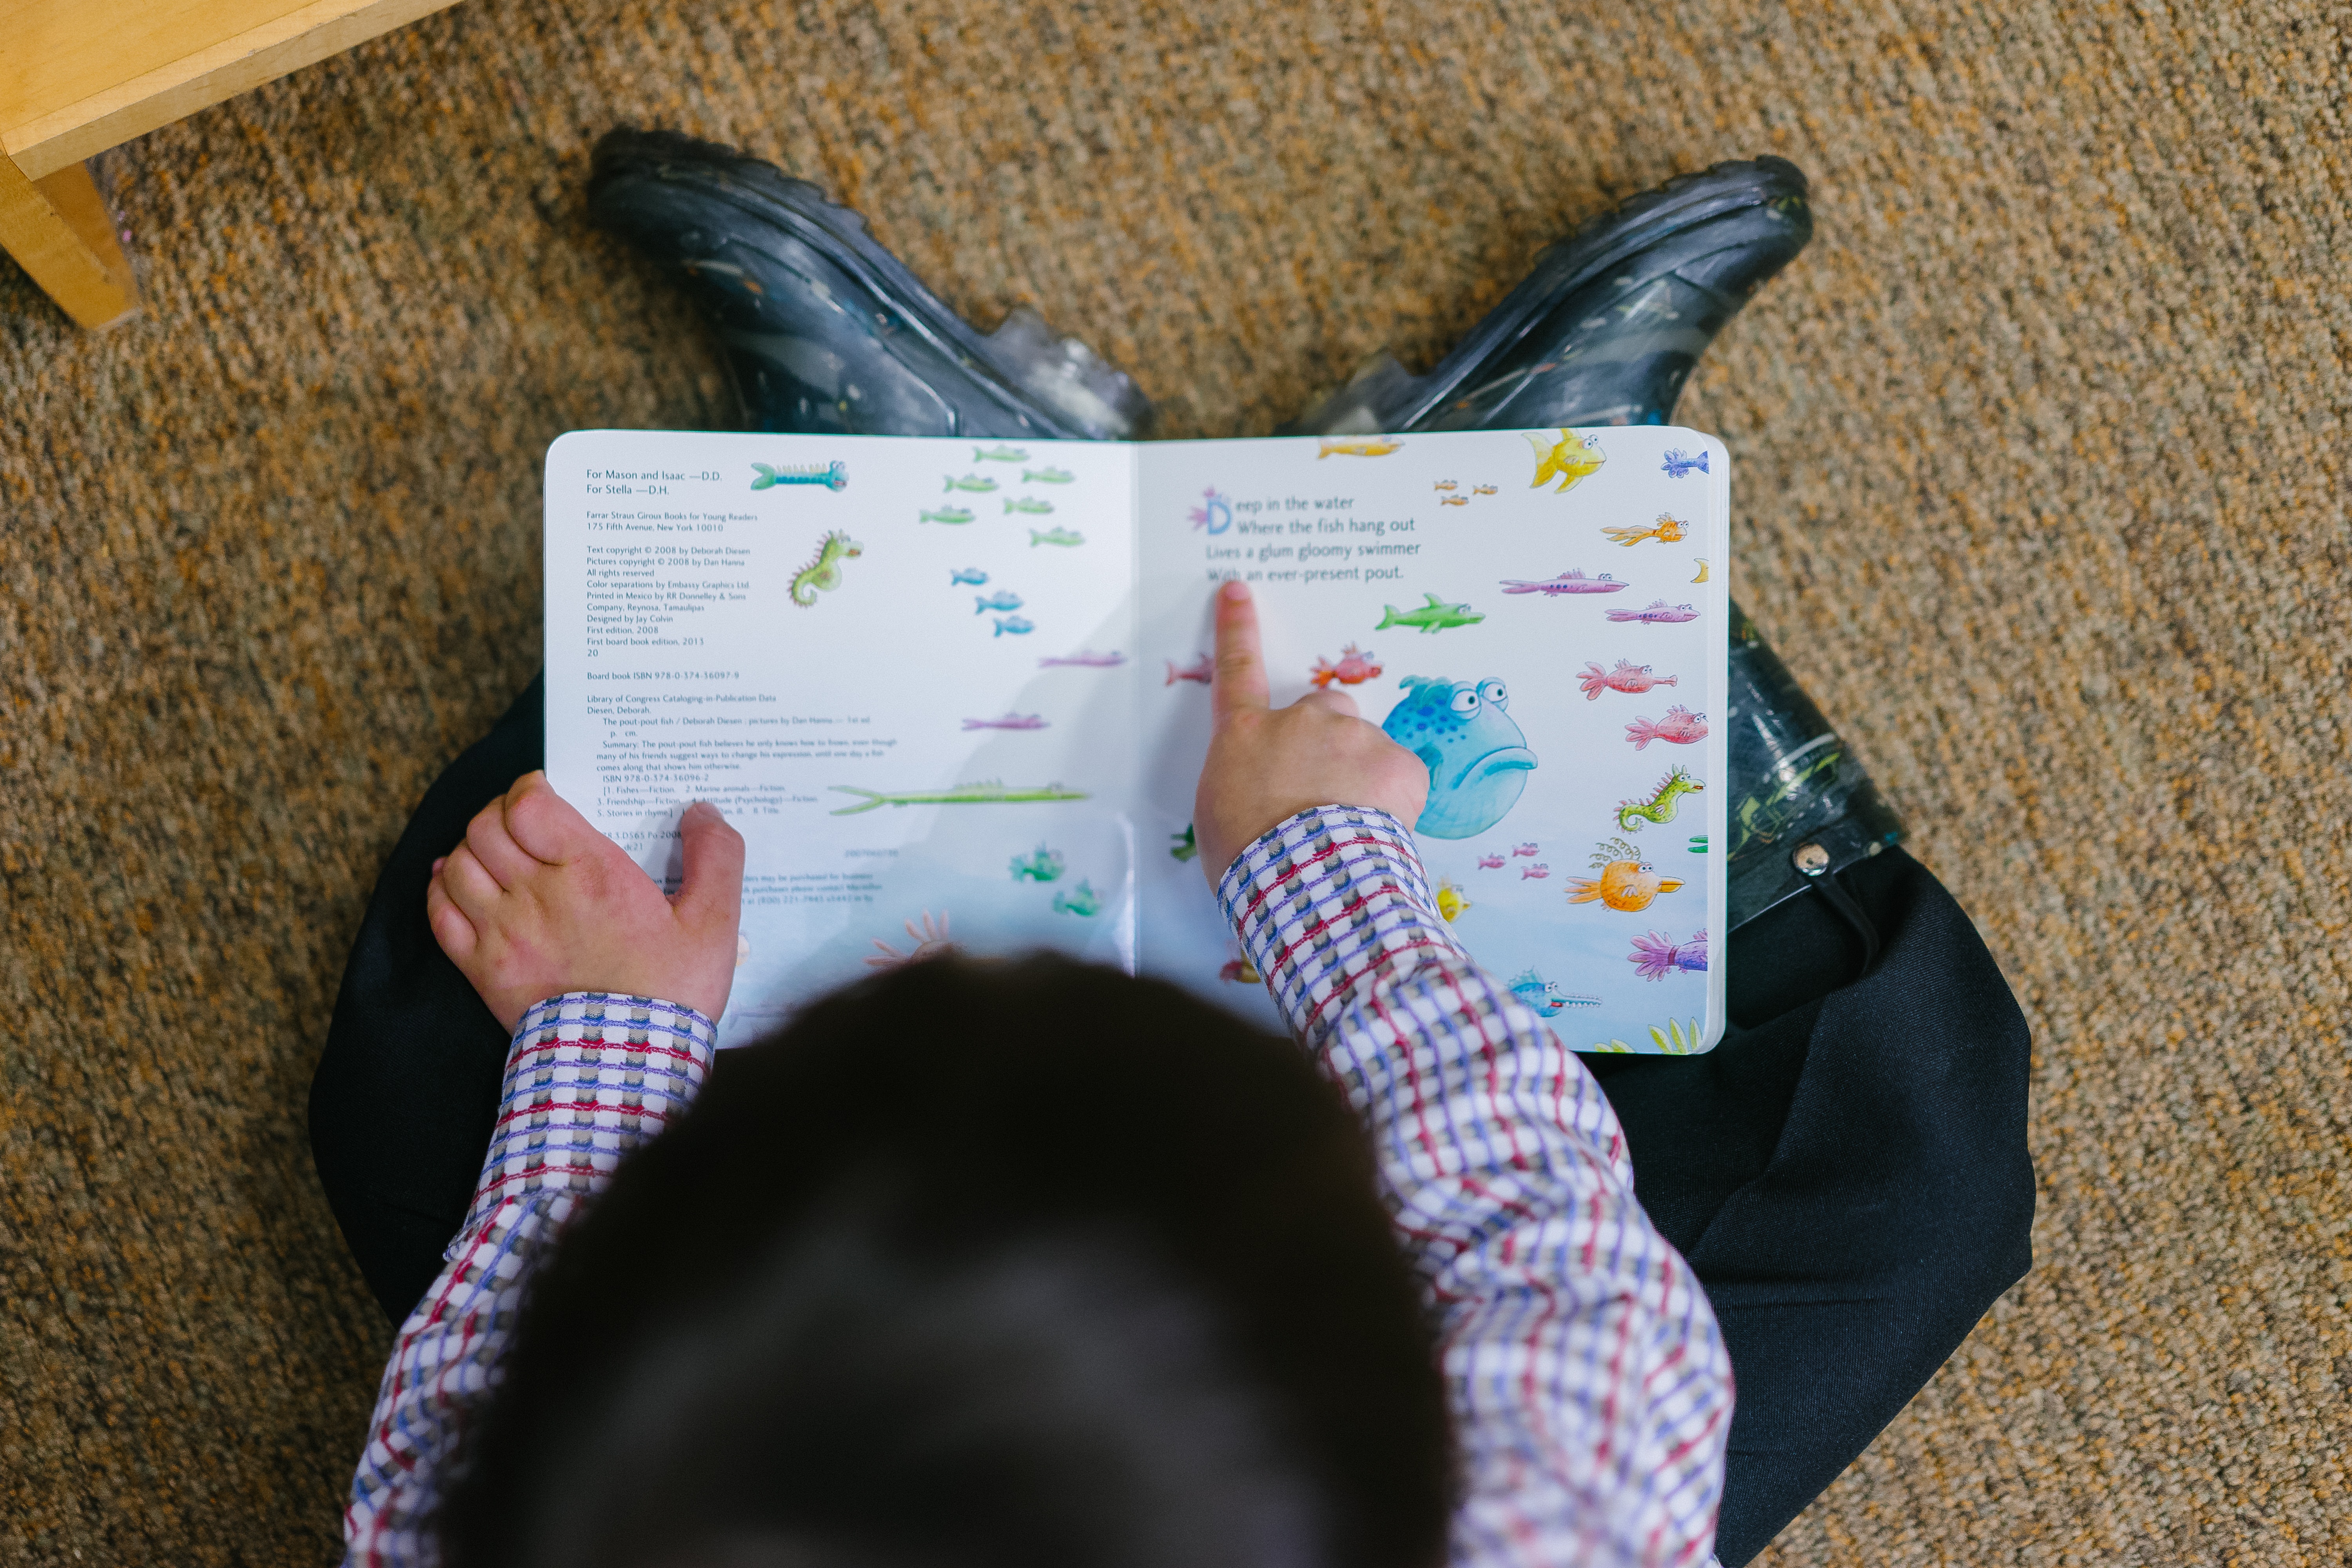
(1568, 460)
(1702, 571)
(1450, 901)
(1359, 446)
(1665, 531)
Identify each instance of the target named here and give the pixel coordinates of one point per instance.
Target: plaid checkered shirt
(1591, 1391)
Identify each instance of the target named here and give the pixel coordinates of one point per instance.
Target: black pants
(1848, 1175)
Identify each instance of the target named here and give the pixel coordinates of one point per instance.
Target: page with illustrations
(1542, 617)
(904, 667)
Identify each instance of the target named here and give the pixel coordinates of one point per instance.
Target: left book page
(903, 668)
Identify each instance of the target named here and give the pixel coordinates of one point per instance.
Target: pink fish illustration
(1627, 676)
(1490, 862)
(1353, 668)
(1084, 659)
(1659, 614)
(1523, 848)
(1010, 722)
(1566, 582)
(1536, 872)
(1654, 957)
(1201, 669)
(1680, 727)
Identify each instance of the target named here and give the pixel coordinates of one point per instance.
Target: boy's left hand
(536, 902)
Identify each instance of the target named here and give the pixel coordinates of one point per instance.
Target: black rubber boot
(824, 330)
(1605, 328)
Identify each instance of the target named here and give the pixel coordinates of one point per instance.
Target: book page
(903, 668)
(1542, 617)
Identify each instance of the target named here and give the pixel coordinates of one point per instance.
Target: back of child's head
(1024, 1264)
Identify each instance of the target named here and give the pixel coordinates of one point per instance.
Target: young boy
(1035, 1264)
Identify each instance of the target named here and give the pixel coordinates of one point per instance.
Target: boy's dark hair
(1027, 1265)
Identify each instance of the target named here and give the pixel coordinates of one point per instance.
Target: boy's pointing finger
(1240, 664)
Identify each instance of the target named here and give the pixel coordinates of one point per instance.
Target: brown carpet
(2042, 465)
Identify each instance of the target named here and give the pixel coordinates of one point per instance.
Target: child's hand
(536, 902)
(1267, 764)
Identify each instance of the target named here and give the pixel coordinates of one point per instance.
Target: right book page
(1541, 616)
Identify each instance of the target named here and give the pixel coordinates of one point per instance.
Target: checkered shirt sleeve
(1590, 1386)
(590, 1076)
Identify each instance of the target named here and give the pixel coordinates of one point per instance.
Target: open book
(957, 692)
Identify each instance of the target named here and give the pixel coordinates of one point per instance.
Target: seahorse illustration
(1660, 806)
(825, 571)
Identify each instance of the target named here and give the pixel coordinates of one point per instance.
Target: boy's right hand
(1267, 764)
(536, 902)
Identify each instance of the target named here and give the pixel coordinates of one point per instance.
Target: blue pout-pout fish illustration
(1477, 757)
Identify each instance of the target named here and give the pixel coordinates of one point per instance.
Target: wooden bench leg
(59, 232)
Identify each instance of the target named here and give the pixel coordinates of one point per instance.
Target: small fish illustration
(1533, 873)
(1183, 846)
(929, 941)
(1569, 460)
(1667, 530)
(1014, 625)
(1044, 865)
(1655, 956)
(1490, 862)
(1627, 883)
(980, 483)
(823, 573)
(1628, 677)
(1566, 582)
(1433, 616)
(829, 475)
(1547, 999)
(1454, 500)
(1482, 490)
(999, 455)
(1357, 447)
(1081, 900)
(1010, 722)
(1202, 670)
(1047, 476)
(991, 792)
(1678, 463)
(1063, 536)
(1241, 971)
(1660, 803)
(1084, 659)
(1702, 570)
(1353, 668)
(971, 574)
(1446, 485)
(1519, 849)
(1030, 504)
(1659, 614)
(1002, 599)
(1680, 727)
(952, 514)
(1451, 903)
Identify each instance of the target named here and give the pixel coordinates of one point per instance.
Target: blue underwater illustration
(1013, 623)
(1002, 599)
(1545, 996)
(1476, 755)
(971, 574)
(1679, 463)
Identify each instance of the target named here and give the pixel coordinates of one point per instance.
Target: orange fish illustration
(1354, 668)
(1665, 531)
(1359, 446)
(1454, 500)
(1627, 883)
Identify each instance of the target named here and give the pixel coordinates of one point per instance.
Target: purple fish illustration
(1679, 463)
(1659, 614)
(1566, 582)
(1084, 659)
(1010, 722)
(1654, 957)
(1536, 872)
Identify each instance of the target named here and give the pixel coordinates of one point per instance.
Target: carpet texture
(2041, 475)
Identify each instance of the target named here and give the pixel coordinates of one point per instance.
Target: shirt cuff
(590, 1075)
(1331, 901)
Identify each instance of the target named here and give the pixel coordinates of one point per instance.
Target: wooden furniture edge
(57, 229)
(63, 138)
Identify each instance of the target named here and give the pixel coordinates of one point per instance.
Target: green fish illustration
(1186, 847)
(1056, 536)
(979, 482)
(999, 455)
(1081, 900)
(948, 514)
(990, 793)
(1043, 866)
(1027, 504)
(1048, 475)
(1433, 616)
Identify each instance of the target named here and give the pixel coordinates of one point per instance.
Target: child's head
(1029, 1264)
